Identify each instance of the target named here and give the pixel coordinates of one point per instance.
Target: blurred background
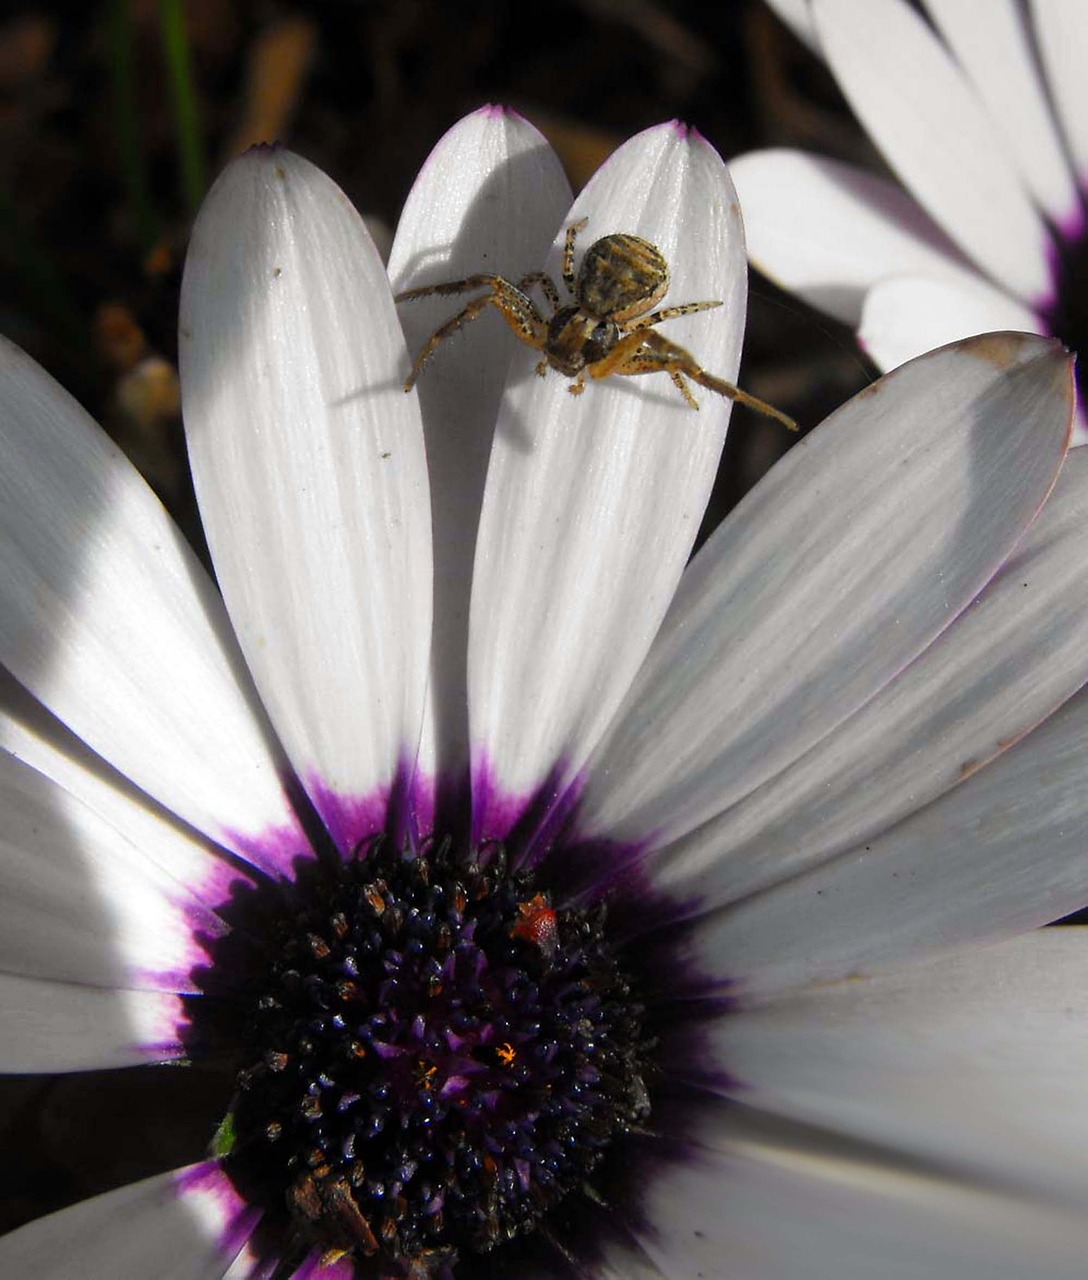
(114, 119)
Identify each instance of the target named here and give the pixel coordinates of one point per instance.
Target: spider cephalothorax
(609, 327)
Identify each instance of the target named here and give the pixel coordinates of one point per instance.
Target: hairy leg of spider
(644, 351)
(670, 313)
(546, 284)
(680, 383)
(568, 253)
(439, 336)
(449, 287)
(514, 307)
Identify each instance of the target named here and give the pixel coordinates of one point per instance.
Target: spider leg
(578, 385)
(448, 287)
(568, 253)
(670, 313)
(546, 283)
(644, 351)
(440, 335)
(631, 350)
(632, 355)
(515, 307)
(681, 384)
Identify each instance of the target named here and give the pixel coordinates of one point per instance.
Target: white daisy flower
(982, 113)
(546, 904)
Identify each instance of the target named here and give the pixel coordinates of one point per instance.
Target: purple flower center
(435, 1057)
(1066, 314)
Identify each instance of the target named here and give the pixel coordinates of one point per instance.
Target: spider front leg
(515, 307)
(643, 351)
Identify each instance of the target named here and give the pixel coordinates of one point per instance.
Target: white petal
(185, 1225)
(797, 15)
(593, 502)
(107, 616)
(757, 1212)
(1003, 852)
(976, 1061)
(837, 570)
(829, 231)
(923, 114)
(489, 198)
(61, 1026)
(1063, 44)
(997, 54)
(904, 316)
(32, 735)
(309, 466)
(78, 903)
(1003, 666)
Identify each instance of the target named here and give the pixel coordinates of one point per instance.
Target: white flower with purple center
(982, 114)
(547, 904)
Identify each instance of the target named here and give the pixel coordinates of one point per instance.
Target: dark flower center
(1067, 315)
(436, 1057)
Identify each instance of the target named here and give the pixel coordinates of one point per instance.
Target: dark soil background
(98, 185)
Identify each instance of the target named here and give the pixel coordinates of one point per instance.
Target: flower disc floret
(436, 1057)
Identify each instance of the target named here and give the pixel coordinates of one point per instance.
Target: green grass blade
(186, 116)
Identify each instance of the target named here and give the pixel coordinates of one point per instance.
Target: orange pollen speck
(427, 1074)
(537, 923)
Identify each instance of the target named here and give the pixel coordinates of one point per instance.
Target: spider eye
(601, 341)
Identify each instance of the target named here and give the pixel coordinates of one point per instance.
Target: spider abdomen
(622, 276)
